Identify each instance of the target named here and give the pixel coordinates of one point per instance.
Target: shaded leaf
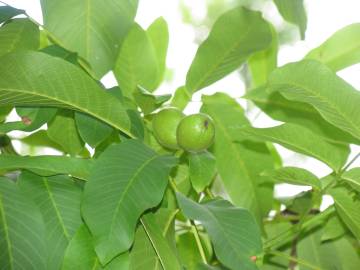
(92, 130)
(36, 79)
(334, 228)
(181, 98)
(233, 231)
(22, 240)
(19, 35)
(294, 12)
(296, 176)
(202, 169)
(341, 50)
(347, 206)
(235, 36)
(48, 165)
(137, 62)
(126, 180)
(7, 12)
(80, 254)
(314, 83)
(58, 199)
(147, 101)
(302, 140)
(62, 130)
(94, 29)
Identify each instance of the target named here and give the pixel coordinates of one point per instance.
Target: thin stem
(198, 241)
(286, 236)
(209, 193)
(294, 259)
(350, 163)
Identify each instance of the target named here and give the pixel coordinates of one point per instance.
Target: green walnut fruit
(195, 132)
(165, 123)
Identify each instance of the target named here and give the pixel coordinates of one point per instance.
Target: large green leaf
(80, 254)
(7, 12)
(302, 140)
(352, 177)
(282, 109)
(235, 36)
(202, 169)
(296, 176)
(58, 199)
(158, 33)
(261, 64)
(37, 79)
(62, 130)
(152, 249)
(19, 35)
(233, 231)
(341, 50)
(294, 12)
(241, 182)
(94, 29)
(22, 241)
(48, 165)
(126, 180)
(313, 82)
(347, 206)
(137, 62)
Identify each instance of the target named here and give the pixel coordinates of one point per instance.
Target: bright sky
(324, 18)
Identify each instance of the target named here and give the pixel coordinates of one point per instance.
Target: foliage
(115, 198)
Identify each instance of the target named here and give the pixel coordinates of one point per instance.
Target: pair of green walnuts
(174, 130)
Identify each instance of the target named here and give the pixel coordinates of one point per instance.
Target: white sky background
(324, 18)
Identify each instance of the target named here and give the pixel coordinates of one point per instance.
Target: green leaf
(7, 12)
(166, 256)
(58, 199)
(147, 101)
(19, 35)
(235, 36)
(25, 79)
(31, 119)
(294, 12)
(338, 254)
(341, 50)
(94, 29)
(40, 139)
(233, 231)
(352, 177)
(181, 98)
(261, 64)
(80, 254)
(62, 130)
(302, 140)
(282, 109)
(334, 228)
(314, 83)
(126, 180)
(158, 33)
(91, 130)
(347, 206)
(241, 182)
(296, 176)
(137, 63)
(48, 165)
(4, 111)
(202, 169)
(188, 250)
(22, 241)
